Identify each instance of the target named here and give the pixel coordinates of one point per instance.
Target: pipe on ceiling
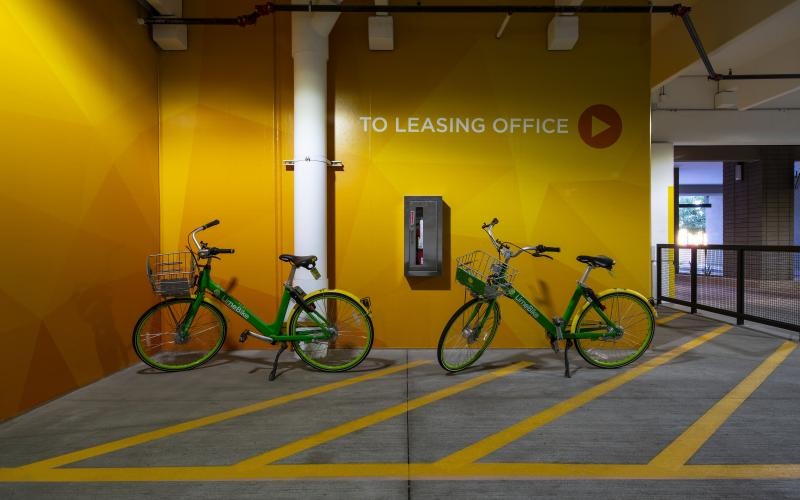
(683, 13)
(271, 7)
(677, 9)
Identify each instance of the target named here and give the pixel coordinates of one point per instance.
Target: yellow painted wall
(554, 190)
(79, 195)
(221, 102)
(223, 121)
(81, 139)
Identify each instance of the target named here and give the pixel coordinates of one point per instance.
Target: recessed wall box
(423, 235)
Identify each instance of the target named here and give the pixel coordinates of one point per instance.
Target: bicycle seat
(596, 261)
(307, 261)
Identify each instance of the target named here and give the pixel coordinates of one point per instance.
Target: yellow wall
(221, 151)
(79, 195)
(80, 205)
(553, 189)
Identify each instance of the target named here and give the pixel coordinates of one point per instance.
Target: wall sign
(464, 125)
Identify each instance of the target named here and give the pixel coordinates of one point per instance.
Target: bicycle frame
(561, 331)
(271, 332)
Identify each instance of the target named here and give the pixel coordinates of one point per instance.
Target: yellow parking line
(211, 419)
(500, 439)
(686, 445)
(404, 471)
(671, 317)
(377, 417)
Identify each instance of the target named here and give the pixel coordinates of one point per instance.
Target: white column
(662, 161)
(310, 53)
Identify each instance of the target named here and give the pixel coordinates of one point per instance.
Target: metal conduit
(701, 51)
(676, 10)
(270, 7)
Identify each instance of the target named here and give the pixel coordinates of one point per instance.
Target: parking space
(708, 409)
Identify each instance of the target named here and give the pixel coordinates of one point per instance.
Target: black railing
(753, 283)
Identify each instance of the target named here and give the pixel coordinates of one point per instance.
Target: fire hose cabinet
(423, 235)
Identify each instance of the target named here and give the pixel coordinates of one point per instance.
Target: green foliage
(692, 219)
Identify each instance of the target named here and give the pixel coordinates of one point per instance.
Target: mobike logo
(239, 309)
(519, 300)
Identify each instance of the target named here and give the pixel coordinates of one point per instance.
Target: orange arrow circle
(600, 126)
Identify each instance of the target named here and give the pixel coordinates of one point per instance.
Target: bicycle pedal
(554, 345)
(243, 336)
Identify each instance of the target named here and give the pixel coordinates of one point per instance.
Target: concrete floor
(709, 412)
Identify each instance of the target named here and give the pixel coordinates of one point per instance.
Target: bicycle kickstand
(566, 358)
(275, 363)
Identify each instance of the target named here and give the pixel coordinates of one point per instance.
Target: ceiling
(756, 43)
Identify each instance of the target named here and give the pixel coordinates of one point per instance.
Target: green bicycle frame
(270, 330)
(609, 328)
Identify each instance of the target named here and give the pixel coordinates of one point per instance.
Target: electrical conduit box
(423, 235)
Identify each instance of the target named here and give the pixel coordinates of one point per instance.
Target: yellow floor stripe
(682, 449)
(496, 441)
(404, 471)
(377, 417)
(671, 317)
(211, 419)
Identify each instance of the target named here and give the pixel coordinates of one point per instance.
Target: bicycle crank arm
(250, 333)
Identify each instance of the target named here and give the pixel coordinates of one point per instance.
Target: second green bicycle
(611, 329)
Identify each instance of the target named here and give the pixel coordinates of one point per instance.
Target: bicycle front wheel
(468, 333)
(346, 319)
(635, 319)
(159, 342)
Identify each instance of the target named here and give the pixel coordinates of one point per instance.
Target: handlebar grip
(494, 222)
(211, 224)
(542, 248)
(217, 251)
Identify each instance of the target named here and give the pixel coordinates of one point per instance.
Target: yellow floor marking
(500, 439)
(377, 417)
(211, 419)
(404, 471)
(682, 449)
(671, 317)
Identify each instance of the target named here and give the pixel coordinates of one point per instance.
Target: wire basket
(172, 274)
(483, 274)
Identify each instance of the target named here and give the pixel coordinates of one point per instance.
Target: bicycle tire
(156, 341)
(460, 345)
(629, 312)
(351, 342)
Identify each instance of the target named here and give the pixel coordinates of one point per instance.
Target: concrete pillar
(662, 160)
(310, 53)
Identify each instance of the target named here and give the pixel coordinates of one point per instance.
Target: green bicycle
(330, 330)
(613, 328)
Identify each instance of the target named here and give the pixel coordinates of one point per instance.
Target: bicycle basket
(483, 274)
(171, 274)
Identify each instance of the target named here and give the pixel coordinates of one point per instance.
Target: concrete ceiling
(758, 37)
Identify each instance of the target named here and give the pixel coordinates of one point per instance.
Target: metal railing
(753, 283)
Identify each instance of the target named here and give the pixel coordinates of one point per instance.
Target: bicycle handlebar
(505, 250)
(489, 225)
(203, 250)
(210, 224)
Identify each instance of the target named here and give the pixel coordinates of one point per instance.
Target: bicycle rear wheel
(158, 341)
(352, 332)
(468, 333)
(629, 312)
